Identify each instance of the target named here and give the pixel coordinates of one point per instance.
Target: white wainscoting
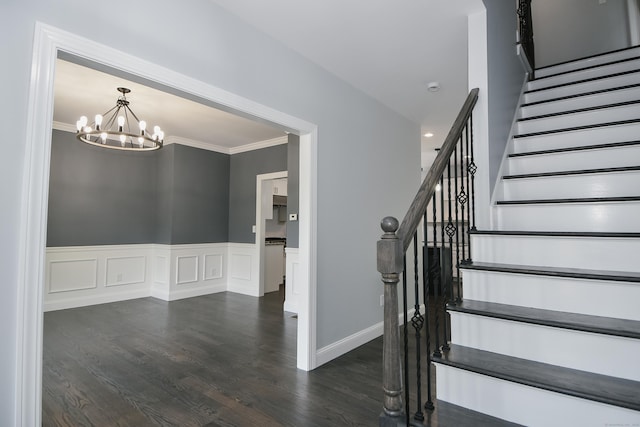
(86, 275)
(185, 271)
(292, 280)
(243, 266)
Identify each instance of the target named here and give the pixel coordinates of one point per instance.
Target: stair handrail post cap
(389, 247)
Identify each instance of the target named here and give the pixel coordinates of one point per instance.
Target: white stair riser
(574, 160)
(586, 101)
(578, 88)
(615, 254)
(580, 350)
(584, 296)
(578, 138)
(589, 62)
(599, 217)
(524, 405)
(616, 184)
(585, 118)
(589, 73)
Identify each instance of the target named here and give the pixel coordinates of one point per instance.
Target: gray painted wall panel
(571, 29)
(200, 196)
(506, 76)
(164, 204)
(293, 188)
(99, 196)
(242, 187)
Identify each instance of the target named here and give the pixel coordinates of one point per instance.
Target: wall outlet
(382, 300)
(293, 217)
(253, 228)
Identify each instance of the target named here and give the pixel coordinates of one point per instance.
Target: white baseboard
(345, 345)
(83, 301)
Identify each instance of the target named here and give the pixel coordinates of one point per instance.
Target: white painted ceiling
(389, 49)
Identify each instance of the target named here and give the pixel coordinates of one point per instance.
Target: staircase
(548, 332)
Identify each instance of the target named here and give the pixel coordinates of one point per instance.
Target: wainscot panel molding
(185, 271)
(78, 276)
(86, 275)
(243, 267)
(292, 281)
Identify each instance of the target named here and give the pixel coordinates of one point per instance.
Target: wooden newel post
(390, 256)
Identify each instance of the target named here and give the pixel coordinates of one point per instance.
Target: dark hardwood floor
(217, 360)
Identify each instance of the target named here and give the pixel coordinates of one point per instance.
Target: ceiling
(390, 50)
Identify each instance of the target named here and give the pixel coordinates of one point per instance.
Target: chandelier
(114, 130)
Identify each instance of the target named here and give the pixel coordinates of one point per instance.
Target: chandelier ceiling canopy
(120, 129)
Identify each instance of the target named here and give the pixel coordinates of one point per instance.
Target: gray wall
(99, 196)
(362, 145)
(242, 188)
(200, 202)
(293, 188)
(571, 29)
(506, 76)
(176, 195)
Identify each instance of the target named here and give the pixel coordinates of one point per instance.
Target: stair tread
(586, 385)
(590, 79)
(578, 95)
(575, 128)
(570, 200)
(557, 319)
(579, 110)
(573, 172)
(589, 67)
(602, 234)
(577, 273)
(447, 414)
(578, 148)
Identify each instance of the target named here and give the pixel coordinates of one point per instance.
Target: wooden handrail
(426, 190)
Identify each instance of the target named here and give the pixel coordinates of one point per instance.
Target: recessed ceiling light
(428, 135)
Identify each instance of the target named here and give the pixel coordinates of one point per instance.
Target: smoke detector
(433, 86)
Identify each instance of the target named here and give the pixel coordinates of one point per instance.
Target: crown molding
(258, 145)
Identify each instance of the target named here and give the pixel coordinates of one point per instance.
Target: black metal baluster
(463, 197)
(454, 156)
(426, 283)
(417, 321)
(406, 337)
(432, 274)
(443, 273)
(472, 170)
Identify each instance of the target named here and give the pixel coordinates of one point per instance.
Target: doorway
(48, 42)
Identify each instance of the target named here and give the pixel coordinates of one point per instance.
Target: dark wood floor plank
(217, 360)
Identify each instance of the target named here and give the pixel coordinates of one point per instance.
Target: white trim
(345, 345)
(258, 145)
(195, 144)
(292, 274)
(48, 41)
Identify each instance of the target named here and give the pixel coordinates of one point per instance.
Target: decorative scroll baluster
(426, 284)
(456, 297)
(417, 321)
(463, 197)
(472, 171)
